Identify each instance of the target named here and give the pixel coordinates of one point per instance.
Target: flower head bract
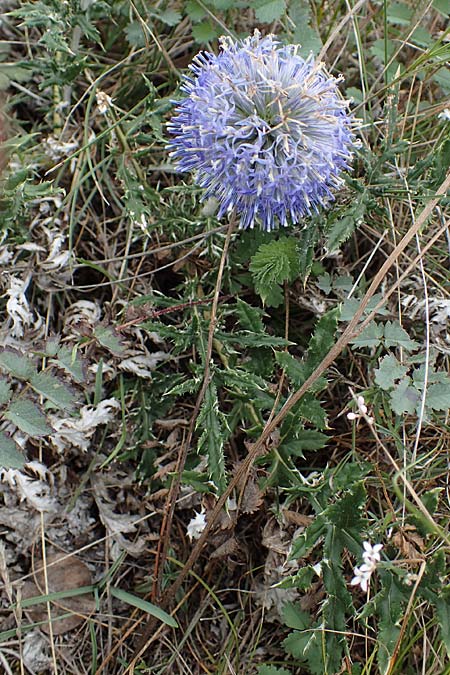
(266, 132)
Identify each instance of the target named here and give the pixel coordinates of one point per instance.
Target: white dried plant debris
(81, 312)
(116, 524)
(22, 525)
(30, 247)
(79, 519)
(77, 431)
(35, 492)
(440, 312)
(104, 102)
(4, 572)
(139, 337)
(57, 149)
(272, 597)
(142, 365)
(19, 437)
(40, 470)
(17, 307)
(49, 204)
(35, 652)
(5, 255)
(74, 525)
(108, 370)
(58, 257)
(47, 214)
(439, 308)
(277, 568)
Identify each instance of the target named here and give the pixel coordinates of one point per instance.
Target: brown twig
(156, 313)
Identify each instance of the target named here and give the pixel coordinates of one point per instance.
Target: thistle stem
(164, 538)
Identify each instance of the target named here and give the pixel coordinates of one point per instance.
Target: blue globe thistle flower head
(265, 131)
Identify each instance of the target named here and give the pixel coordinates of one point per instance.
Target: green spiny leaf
(346, 514)
(295, 617)
(322, 339)
(306, 243)
(390, 605)
(249, 317)
(249, 339)
(212, 423)
(310, 409)
(307, 646)
(310, 439)
(343, 228)
(272, 670)
(295, 368)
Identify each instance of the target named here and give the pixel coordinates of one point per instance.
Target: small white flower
(371, 554)
(361, 405)
(371, 557)
(362, 577)
(444, 115)
(196, 525)
(361, 412)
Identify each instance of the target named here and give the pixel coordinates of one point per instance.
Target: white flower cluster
(362, 411)
(371, 557)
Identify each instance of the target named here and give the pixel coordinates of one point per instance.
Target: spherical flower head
(266, 132)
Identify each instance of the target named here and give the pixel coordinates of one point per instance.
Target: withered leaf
(64, 574)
